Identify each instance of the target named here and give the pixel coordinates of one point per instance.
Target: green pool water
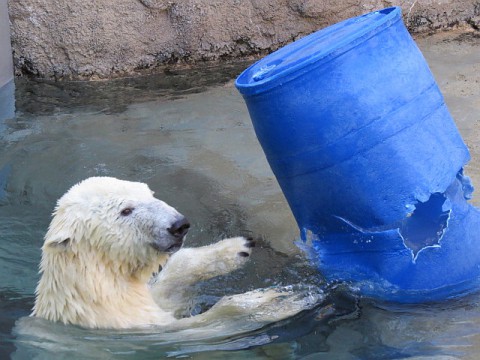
(188, 135)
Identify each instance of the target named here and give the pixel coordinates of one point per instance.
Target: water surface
(188, 135)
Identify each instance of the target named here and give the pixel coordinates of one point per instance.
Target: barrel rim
(248, 86)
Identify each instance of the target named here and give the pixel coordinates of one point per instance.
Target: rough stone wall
(107, 38)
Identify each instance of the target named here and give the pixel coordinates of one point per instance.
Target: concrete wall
(7, 108)
(107, 38)
(6, 63)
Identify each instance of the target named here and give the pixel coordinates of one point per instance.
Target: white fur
(97, 263)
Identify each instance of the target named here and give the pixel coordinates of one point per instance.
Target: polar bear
(106, 238)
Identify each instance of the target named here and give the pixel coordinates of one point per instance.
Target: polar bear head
(106, 238)
(118, 220)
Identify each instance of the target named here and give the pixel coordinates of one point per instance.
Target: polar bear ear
(57, 240)
(59, 244)
(64, 229)
(61, 232)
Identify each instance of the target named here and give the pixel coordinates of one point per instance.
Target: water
(188, 135)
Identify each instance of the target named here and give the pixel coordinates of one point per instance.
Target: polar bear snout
(170, 238)
(179, 228)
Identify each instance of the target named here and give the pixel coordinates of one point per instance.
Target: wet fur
(97, 263)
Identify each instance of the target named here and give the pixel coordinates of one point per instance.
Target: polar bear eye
(126, 211)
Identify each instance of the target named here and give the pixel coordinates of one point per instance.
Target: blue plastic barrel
(370, 161)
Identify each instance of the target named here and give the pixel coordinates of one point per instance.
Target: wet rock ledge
(96, 39)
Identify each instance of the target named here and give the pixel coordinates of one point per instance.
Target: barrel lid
(294, 59)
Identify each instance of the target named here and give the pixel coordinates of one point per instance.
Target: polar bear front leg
(255, 308)
(191, 265)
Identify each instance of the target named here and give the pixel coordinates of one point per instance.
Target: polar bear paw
(234, 251)
(264, 306)
(224, 256)
(248, 244)
(190, 265)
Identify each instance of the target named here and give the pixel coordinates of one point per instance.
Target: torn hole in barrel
(425, 226)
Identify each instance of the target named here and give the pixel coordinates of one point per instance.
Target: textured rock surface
(107, 38)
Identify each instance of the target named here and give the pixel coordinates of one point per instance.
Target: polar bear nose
(179, 228)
